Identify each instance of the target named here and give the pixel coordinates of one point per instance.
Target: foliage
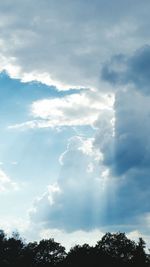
(113, 250)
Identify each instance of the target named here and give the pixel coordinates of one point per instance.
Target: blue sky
(75, 119)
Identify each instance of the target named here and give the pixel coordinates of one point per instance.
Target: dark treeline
(113, 250)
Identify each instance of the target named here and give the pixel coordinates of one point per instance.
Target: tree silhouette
(29, 255)
(49, 253)
(113, 250)
(80, 256)
(3, 239)
(118, 250)
(11, 249)
(140, 257)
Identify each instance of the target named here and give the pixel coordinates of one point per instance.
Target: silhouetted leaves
(113, 250)
(49, 253)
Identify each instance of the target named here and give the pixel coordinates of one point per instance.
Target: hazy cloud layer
(65, 42)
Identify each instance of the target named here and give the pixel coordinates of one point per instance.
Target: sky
(75, 119)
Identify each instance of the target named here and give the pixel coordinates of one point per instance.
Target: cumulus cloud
(104, 180)
(80, 200)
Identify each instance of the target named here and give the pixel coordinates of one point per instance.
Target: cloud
(74, 238)
(126, 142)
(6, 184)
(81, 237)
(104, 180)
(125, 146)
(123, 137)
(65, 43)
(10, 224)
(80, 199)
(133, 69)
(70, 110)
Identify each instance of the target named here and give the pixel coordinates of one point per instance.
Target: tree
(3, 242)
(118, 250)
(49, 253)
(113, 250)
(80, 256)
(14, 248)
(140, 257)
(29, 255)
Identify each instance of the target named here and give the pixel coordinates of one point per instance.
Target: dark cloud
(126, 144)
(134, 69)
(126, 152)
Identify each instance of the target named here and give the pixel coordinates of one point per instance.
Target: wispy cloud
(71, 110)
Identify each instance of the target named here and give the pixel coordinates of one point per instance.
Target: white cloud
(10, 224)
(71, 110)
(84, 146)
(90, 237)
(53, 189)
(76, 109)
(79, 201)
(74, 238)
(6, 184)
